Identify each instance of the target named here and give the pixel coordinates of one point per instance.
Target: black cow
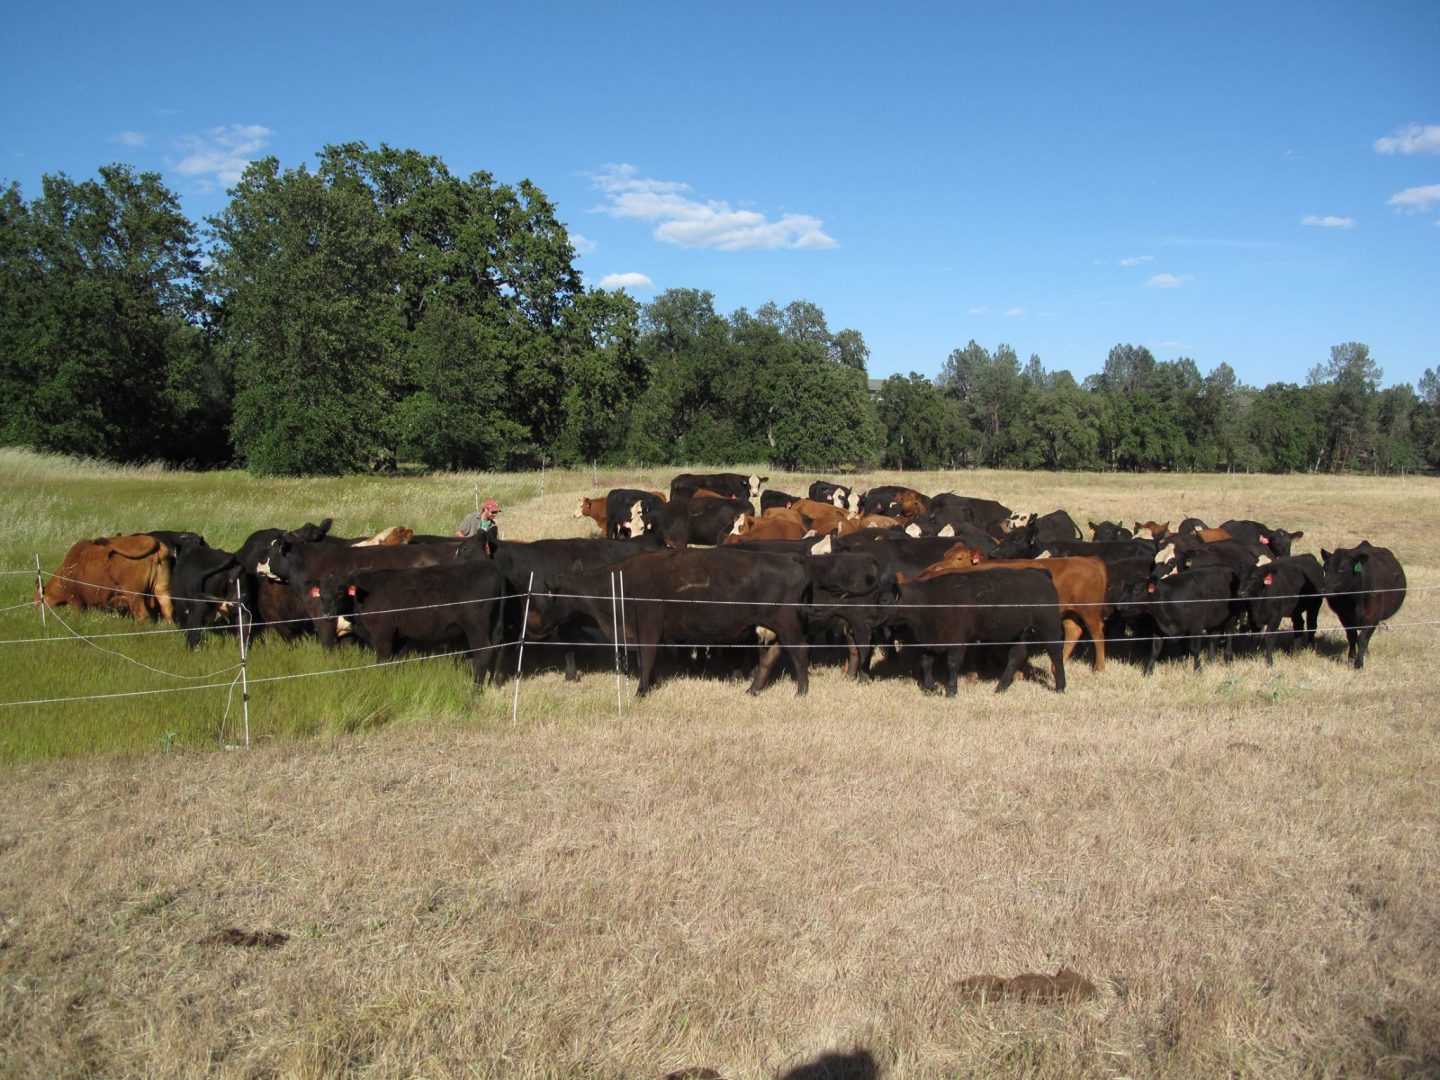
(530, 565)
(179, 542)
(1261, 539)
(1364, 586)
(947, 614)
(773, 499)
(1107, 531)
(701, 520)
(825, 491)
(454, 603)
(880, 500)
(701, 596)
(1284, 588)
(203, 589)
(727, 485)
(620, 510)
(845, 590)
(948, 508)
(256, 547)
(304, 566)
(1192, 607)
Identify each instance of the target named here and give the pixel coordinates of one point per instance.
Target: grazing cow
(947, 614)
(718, 596)
(772, 499)
(845, 589)
(281, 609)
(1364, 586)
(726, 485)
(203, 587)
(1261, 539)
(1277, 589)
(1080, 584)
(113, 573)
(456, 603)
(1192, 606)
(620, 514)
(594, 509)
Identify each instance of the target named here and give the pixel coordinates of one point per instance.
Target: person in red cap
(481, 521)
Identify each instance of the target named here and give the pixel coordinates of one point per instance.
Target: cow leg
(954, 657)
(1016, 657)
(763, 668)
(1362, 646)
(1072, 630)
(1057, 665)
(647, 665)
(1271, 630)
(927, 671)
(1096, 627)
(1156, 644)
(1351, 636)
(796, 645)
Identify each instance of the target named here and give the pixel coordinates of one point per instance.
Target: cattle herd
(837, 572)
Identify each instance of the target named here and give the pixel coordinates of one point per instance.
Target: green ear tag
(1356, 568)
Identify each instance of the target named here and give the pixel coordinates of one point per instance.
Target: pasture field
(399, 880)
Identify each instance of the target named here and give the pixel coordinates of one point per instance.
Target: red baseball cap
(491, 504)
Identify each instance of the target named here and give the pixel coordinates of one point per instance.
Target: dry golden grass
(1243, 861)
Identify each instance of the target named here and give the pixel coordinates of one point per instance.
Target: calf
(1364, 586)
(203, 589)
(458, 603)
(1278, 589)
(1192, 607)
(947, 614)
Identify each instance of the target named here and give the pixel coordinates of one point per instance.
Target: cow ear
(1297, 534)
(1324, 555)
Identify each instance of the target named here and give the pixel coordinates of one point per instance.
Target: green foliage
(101, 349)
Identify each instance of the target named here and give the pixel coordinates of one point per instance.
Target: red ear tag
(315, 591)
(1150, 588)
(1269, 579)
(350, 591)
(1265, 540)
(974, 558)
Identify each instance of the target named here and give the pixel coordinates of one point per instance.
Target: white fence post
(244, 662)
(40, 590)
(615, 623)
(520, 659)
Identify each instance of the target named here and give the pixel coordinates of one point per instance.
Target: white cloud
(1416, 200)
(1014, 312)
(222, 153)
(978, 311)
(1411, 139)
(583, 245)
(1329, 221)
(690, 222)
(1136, 260)
(129, 138)
(1167, 281)
(631, 280)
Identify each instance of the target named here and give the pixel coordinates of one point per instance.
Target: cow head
(1016, 521)
(1345, 567)
(756, 483)
(637, 518)
(823, 547)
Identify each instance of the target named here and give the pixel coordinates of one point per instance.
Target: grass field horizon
(1243, 861)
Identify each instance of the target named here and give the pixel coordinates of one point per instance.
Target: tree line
(376, 309)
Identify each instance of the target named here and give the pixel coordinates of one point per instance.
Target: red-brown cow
(114, 573)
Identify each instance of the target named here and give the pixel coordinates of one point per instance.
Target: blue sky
(1232, 182)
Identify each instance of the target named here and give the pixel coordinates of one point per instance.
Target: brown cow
(769, 527)
(594, 509)
(822, 517)
(114, 573)
(1079, 582)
